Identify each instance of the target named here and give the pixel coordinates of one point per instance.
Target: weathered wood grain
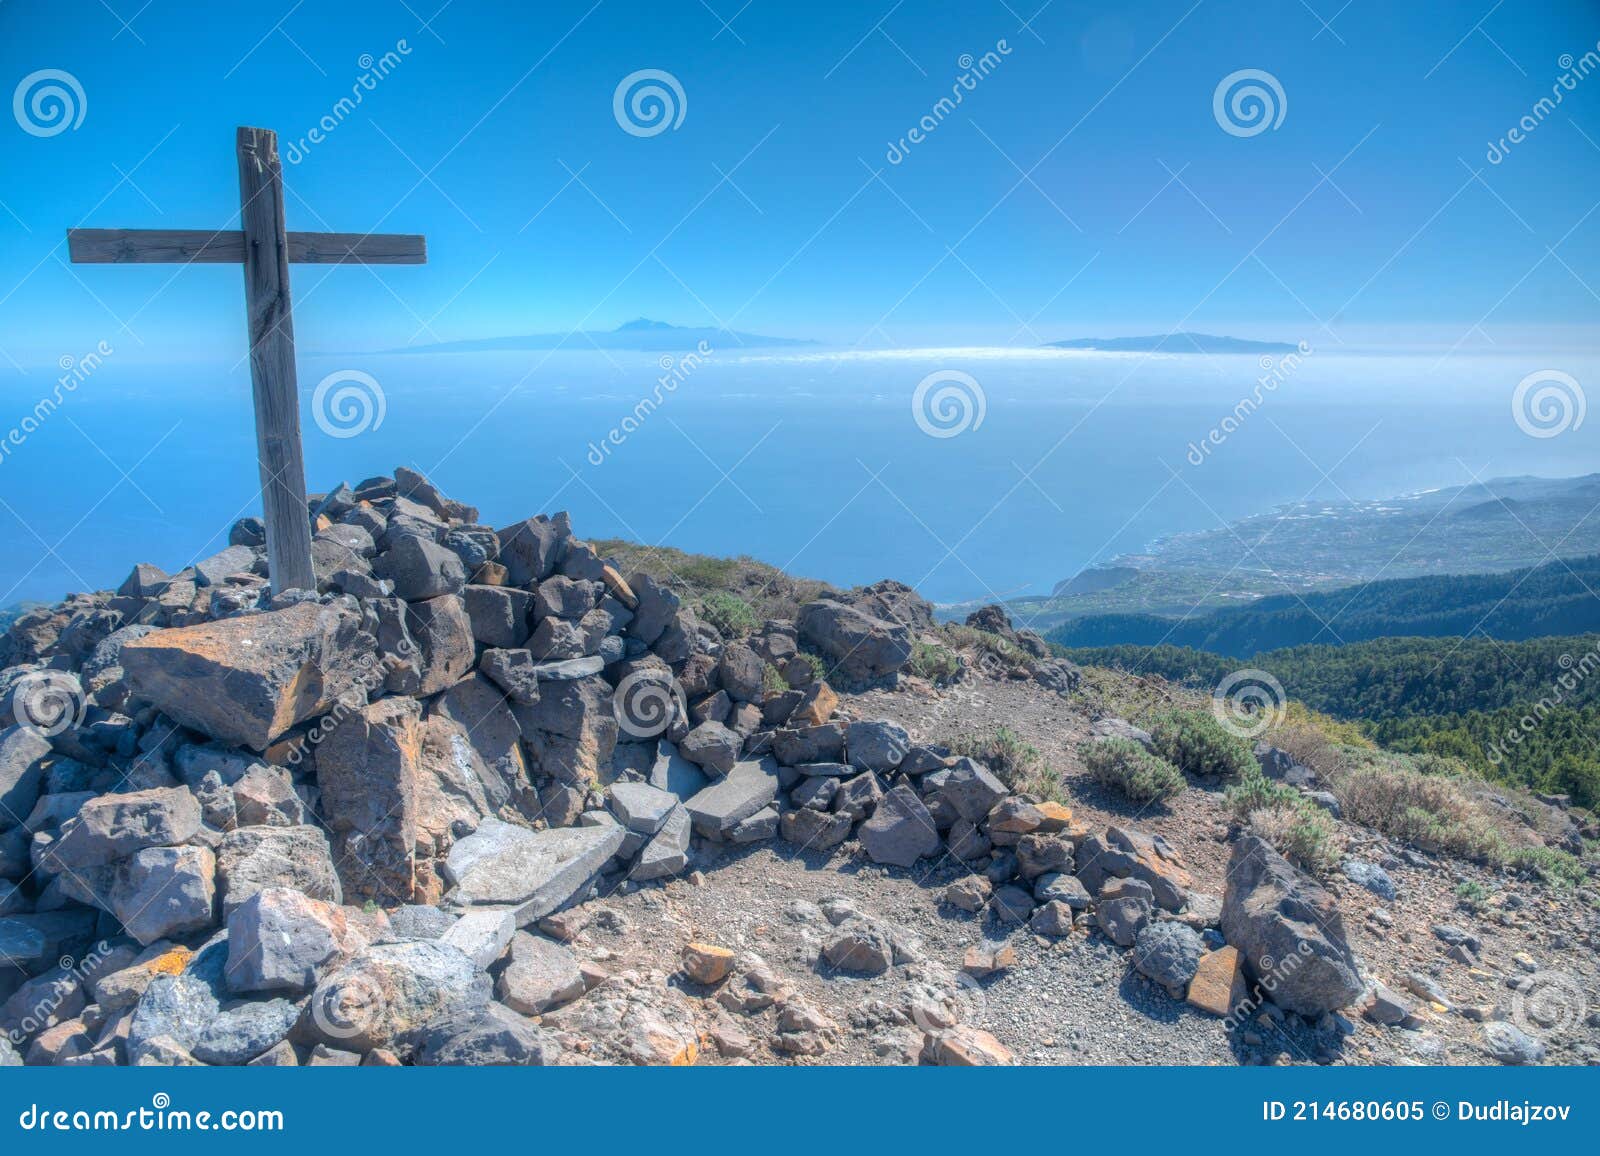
(226, 246)
(272, 371)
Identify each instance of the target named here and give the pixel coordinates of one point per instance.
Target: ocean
(1007, 472)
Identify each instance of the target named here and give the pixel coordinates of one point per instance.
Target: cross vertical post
(272, 373)
(265, 249)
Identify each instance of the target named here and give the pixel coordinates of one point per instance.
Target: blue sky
(1083, 187)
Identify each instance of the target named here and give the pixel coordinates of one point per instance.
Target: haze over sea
(807, 457)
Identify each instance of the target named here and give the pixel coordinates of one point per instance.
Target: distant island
(642, 335)
(1174, 343)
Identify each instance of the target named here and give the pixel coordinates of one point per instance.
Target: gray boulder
(712, 747)
(814, 830)
(247, 680)
(1509, 1044)
(114, 826)
(392, 994)
(533, 871)
(165, 891)
(971, 790)
(253, 858)
(499, 614)
(859, 647)
(1169, 953)
(877, 745)
(1369, 875)
(666, 854)
(640, 807)
(22, 751)
(541, 974)
(497, 1036)
(1289, 930)
(900, 831)
(514, 672)
(420, 568)
(860, 946)
(240, 1034)
(280, 940)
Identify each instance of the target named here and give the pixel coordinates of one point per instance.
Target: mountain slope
(1555, 598)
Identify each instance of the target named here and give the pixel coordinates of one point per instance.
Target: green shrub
(1471, 893)
(730, 614)
(1255, 792)
(938, 664)
(772, 681)
(1557, 868)
(1127, 766)
(1301, 831)
(819, 668)
(1018, 764)
(990, 647)
(1304, 834)
(1196, 742)
(1431, 811)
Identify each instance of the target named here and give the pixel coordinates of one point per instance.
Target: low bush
(1018, 764)
(938, 664)
(1127, 766)
(731, 615)
(1195, 741)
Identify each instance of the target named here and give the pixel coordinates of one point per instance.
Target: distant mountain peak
(1174, 343)
(639, 324)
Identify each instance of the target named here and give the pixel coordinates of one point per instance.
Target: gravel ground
(1077, 1000)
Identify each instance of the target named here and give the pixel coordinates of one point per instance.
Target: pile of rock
(241, 810)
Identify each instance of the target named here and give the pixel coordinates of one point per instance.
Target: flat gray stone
(747, 788)
(533, 871)
(668, 853)
(542, 974)
(757, 828)
(672, 772)
(483, 933)
(641, 807)
(568, 669)
(213, 571)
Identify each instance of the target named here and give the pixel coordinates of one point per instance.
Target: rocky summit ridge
(452, 807)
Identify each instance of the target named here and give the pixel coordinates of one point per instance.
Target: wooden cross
(265, 248)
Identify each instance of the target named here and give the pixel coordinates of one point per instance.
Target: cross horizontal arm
(226, 247)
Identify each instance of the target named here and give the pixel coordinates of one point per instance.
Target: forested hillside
(1452, 696)
(1553, 599)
